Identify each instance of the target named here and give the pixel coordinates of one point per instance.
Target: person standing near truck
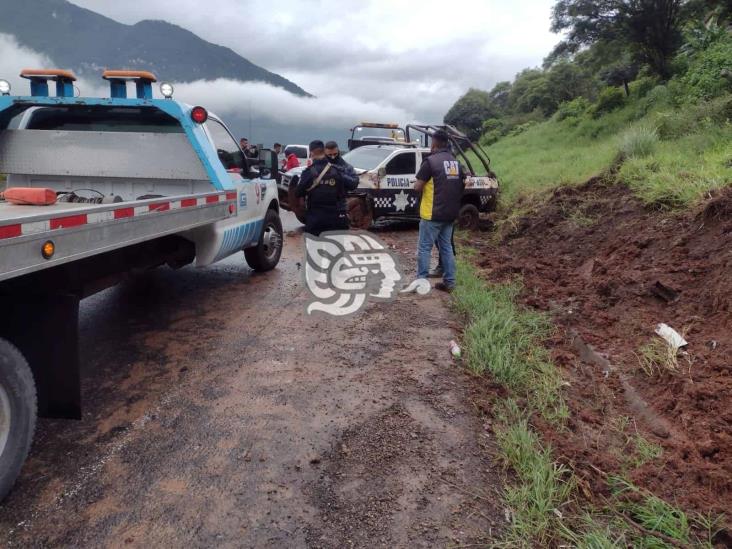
(292, 161)
(247, 149)
(333, 154)
(441, 180)
(325, 186)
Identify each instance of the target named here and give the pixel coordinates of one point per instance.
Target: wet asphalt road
(216, 412)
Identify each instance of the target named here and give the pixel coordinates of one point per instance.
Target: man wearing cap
(325, 186)
(441, 181)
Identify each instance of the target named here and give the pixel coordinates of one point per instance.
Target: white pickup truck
(387, 169)
(139, 182)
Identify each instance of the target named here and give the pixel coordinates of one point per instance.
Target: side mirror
(382, 172)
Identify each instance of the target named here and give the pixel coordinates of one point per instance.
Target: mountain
(88, 42)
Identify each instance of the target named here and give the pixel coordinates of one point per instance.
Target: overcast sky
(410, 58)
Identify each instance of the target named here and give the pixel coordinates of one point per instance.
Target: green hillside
(654, 112)
(670, 155)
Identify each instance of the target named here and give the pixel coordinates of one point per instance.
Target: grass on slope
(681, 155)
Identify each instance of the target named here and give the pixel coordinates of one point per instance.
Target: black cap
(315, 145)
(441, 136)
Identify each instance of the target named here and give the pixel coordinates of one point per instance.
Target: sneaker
(444, 287)
(435, 273)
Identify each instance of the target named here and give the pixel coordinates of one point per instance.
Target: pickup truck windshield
(366, 158)
(103, 119)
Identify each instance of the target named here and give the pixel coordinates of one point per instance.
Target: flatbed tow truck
(137, 183)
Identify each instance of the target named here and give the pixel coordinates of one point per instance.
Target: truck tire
(360, 215)
(17, 414)
(468, 217)
(266, 254)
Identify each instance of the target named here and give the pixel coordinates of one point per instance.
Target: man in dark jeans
(325, 187)
(438, 271)
(441, 180)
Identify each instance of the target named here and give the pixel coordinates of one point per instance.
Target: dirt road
(218, 413)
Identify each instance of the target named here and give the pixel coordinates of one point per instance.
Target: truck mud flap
(45, 328)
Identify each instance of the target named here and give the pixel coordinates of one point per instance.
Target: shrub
(640, 88)
(521, 128)
(638, 142)
(492, 124)
(673, 124)
(710, 71)
(572, 109)
(655, 99)
(609, 100)
(493, 130)
(489, 138)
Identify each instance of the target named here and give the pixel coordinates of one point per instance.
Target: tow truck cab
(122, 149)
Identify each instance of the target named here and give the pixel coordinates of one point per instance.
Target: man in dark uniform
(325, 186)
(333, 154)
(441, 181)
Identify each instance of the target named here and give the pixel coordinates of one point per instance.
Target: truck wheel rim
(4, 418)
(271, 241)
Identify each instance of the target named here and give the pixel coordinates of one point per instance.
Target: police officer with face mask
(325, 186)
(333, 154)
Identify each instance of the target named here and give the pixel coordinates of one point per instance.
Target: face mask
(333, 156)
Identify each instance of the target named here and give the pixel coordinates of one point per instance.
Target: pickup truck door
(397, 183)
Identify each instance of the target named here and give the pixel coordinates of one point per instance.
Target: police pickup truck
(129, 184)
(387, 173)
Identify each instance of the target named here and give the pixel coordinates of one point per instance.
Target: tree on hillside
(469, 112)
(650, 28)
(499, 95)
(708, 11)
(546, 90)
(568, 81)
(521, 98)
(621, 73)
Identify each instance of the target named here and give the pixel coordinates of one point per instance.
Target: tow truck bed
(82, 230)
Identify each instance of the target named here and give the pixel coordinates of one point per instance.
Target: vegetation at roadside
(656, 106)
(505, 341)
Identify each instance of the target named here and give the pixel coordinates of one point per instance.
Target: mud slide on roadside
(609, 269)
